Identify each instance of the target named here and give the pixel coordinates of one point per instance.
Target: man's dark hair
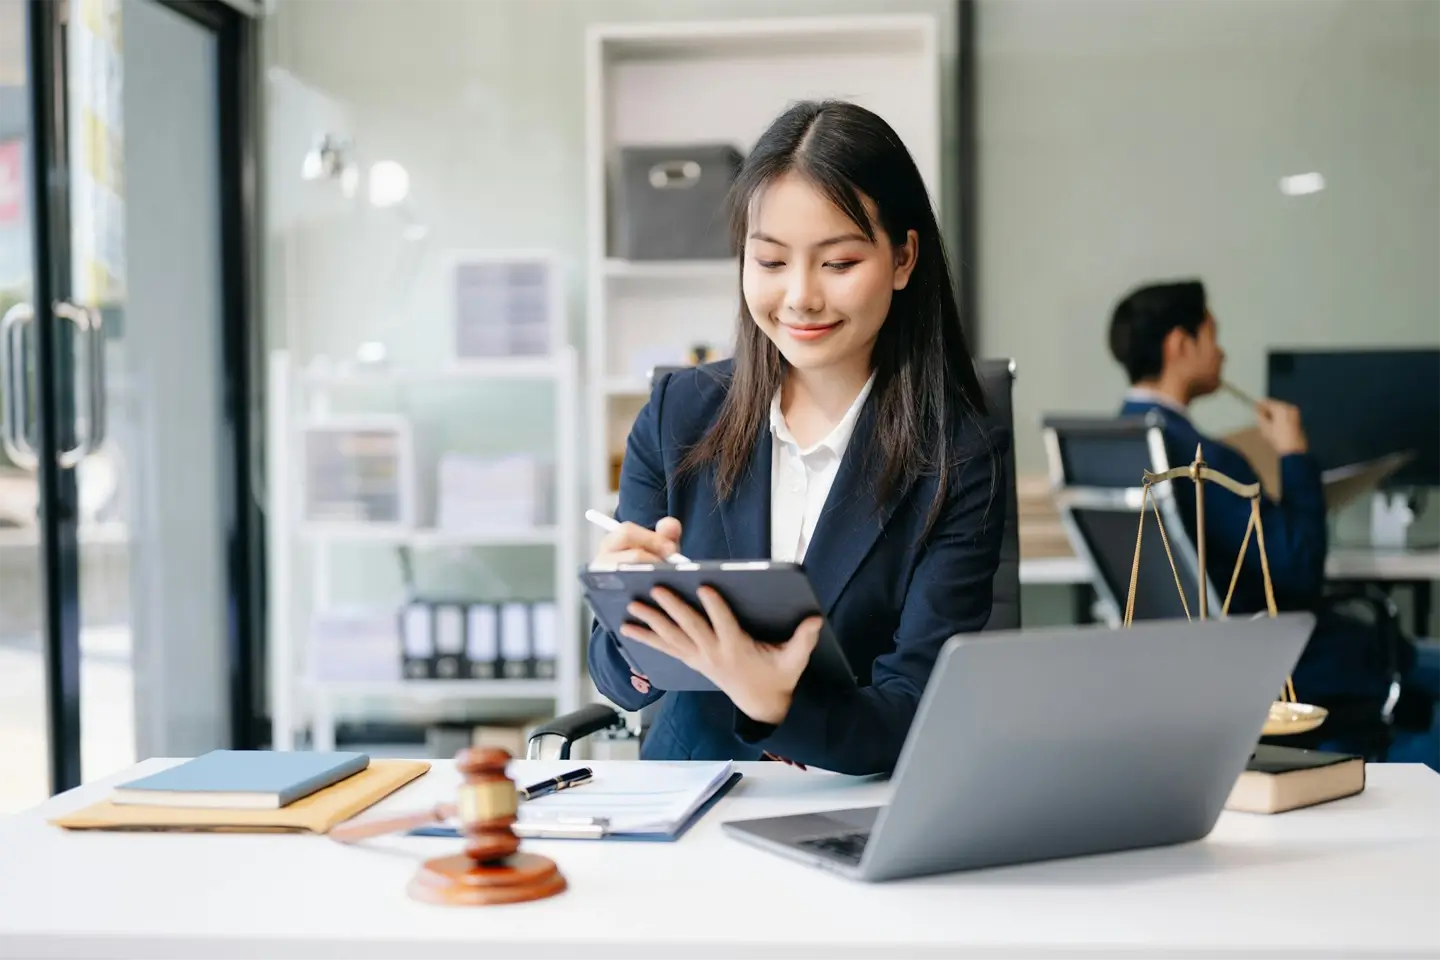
(1144, 319)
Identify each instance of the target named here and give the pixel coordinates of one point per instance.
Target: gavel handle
(354, 830)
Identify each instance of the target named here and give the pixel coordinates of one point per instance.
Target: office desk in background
(1356, 877)
(1071, 572)
(1415, 570)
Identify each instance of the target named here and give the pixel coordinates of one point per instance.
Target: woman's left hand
(759, 678)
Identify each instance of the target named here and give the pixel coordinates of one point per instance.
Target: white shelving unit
(653, 84)
(296, 397)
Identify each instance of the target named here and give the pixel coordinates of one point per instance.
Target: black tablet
(769, 599)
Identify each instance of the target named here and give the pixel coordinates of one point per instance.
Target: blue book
(242, 779)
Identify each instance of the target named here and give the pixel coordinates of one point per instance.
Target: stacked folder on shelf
(513, 640)
(249, 791)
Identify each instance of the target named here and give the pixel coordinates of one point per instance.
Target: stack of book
(249, 790)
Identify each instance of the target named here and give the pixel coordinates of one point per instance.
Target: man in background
(1166, 338)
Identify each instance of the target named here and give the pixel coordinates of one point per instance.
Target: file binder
(482, 641)
(515, 649)
(544, 638)
(449, 634)
(417, 642)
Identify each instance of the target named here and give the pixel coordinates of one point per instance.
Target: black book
(1277, 779)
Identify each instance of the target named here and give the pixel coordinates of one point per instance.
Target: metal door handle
(14, 387)
(92, 341)
(95, 366)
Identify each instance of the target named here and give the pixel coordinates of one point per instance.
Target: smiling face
(812, 281)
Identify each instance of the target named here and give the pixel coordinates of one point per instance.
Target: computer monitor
(1361, 404)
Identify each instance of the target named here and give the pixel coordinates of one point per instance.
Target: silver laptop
(1039, 744)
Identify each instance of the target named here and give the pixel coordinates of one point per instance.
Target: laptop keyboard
(843, 846)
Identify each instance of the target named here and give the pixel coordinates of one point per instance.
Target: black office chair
(997, 378)
(1096, 466)
(1096, 469)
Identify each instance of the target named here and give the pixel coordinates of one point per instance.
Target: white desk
(1062, 571)
(1418, 570)
(1349, 563)
(1359, 876)
(1362, 563)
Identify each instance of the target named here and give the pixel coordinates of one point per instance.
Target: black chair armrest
(1381, 607)
(574, 726)
(1387, 626)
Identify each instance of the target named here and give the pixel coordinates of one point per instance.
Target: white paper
(650, 797)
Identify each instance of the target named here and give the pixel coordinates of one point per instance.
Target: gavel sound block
(491, 870)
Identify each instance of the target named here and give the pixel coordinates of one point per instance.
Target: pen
(610, 525)
(555, 784)
(1239, 394)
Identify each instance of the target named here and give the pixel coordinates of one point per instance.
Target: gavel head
(486, 804)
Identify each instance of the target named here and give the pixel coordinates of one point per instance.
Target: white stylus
(610, 525)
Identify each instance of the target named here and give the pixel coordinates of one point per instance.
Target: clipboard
(694, 818)
(1342, 485)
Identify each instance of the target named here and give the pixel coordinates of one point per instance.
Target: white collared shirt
(800, 480)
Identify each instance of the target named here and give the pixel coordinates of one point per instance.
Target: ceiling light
(1299, 184)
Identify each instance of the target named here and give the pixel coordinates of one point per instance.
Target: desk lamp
(1286, 716)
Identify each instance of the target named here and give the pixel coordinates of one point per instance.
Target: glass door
(25, 726)
(145, 268)
(129, 363)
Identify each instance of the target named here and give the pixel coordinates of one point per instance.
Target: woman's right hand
(633, 543)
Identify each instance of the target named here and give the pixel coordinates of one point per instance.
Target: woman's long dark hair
(924, 373)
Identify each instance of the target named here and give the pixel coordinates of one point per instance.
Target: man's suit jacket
(891, 600)
(1295, 530)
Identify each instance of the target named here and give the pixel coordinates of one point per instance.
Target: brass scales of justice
(1287, 716)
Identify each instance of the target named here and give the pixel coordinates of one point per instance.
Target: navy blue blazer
(1344, 657)
(891, 599)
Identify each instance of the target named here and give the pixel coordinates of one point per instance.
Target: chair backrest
(1097, 468)
(1102, 452)
(997, 379)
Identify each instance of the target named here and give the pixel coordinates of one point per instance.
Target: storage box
(492, 494)
(669, 202)
(505, 305)
(354, 645)
(358, 471)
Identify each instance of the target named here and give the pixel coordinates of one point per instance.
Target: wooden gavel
(491, 870)
(357, 830)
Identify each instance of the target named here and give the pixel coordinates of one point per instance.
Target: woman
(847, 433)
